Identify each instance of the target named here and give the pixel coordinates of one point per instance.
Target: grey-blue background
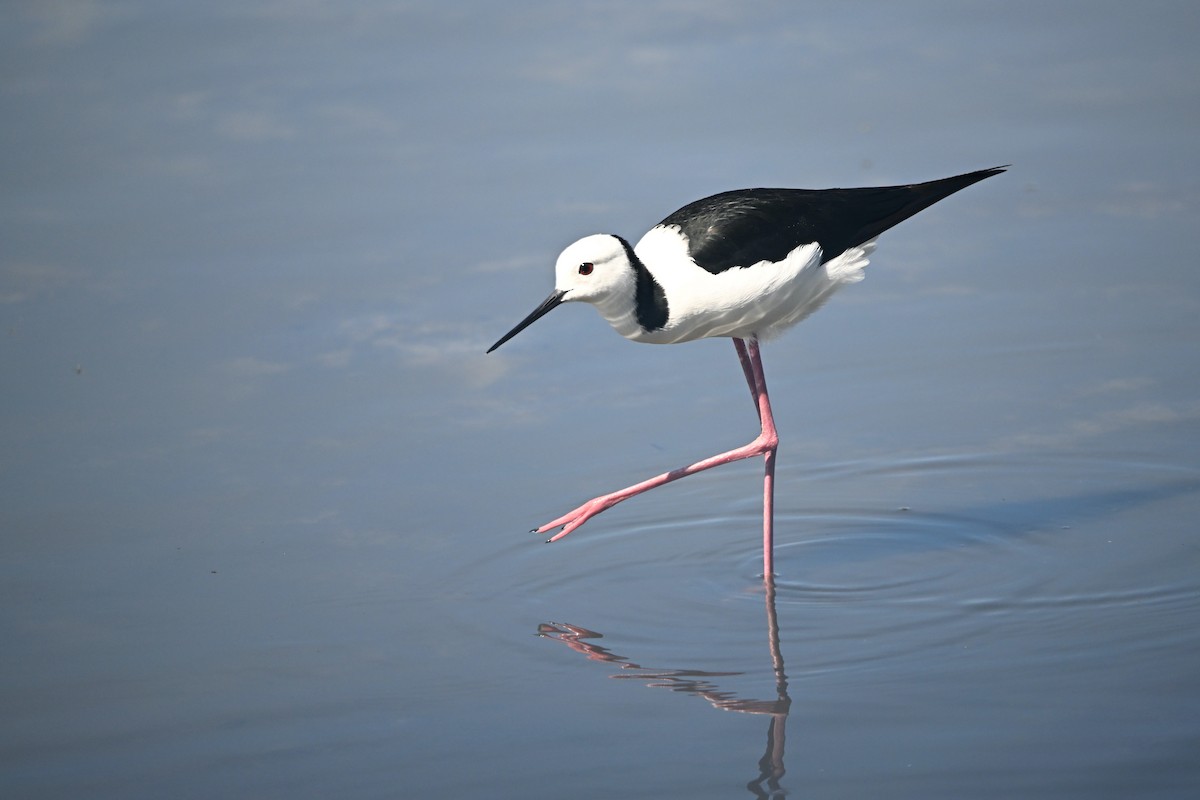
(263, 498)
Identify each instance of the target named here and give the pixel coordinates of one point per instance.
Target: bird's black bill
(555, 298)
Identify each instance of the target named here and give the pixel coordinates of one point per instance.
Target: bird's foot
(573, 519)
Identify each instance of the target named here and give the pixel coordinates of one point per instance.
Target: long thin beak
(555, 298)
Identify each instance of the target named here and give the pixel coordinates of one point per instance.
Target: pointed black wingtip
(989, 172)
(978, 175)
(968, 178)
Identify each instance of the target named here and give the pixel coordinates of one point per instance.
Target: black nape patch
(650, 300)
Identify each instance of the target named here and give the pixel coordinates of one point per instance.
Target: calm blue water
(264, 502)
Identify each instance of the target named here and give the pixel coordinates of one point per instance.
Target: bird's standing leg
(756, 379)
(764, 444)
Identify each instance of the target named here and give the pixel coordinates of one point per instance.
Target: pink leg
(764, 444)
(752, 367)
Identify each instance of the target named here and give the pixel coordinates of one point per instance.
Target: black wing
(745, 226)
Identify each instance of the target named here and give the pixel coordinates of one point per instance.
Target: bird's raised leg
(764, 444)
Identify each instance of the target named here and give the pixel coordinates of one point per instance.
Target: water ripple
(901, 557)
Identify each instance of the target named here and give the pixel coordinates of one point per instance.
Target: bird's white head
(596, 269)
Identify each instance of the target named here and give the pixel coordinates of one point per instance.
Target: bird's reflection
(704, 684)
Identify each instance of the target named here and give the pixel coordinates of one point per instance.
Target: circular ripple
(970, 532)
(894, 562)
(842, 555)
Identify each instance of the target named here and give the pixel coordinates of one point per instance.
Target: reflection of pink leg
(764, 444)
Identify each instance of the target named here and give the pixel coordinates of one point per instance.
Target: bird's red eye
(586, 268)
